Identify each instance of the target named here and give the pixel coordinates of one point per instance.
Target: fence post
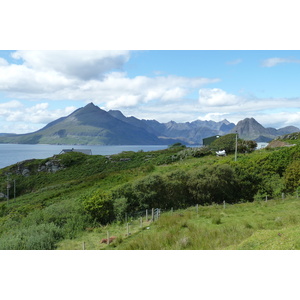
(224, 204)
(282, 196)
(266, 198)
(125, 217)
(141, 221)
(172, 211)
(157, 210)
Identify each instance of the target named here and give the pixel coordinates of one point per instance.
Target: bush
(120, 208)
(214, 184)
(292, 176)
(35, 237)
(99, 206)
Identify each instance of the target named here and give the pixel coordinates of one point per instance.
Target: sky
(39, 86)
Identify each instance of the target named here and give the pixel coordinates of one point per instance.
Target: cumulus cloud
(3, 62)
(141, 89)
(15, 111)
(10, 104)
(80, 64)
(218, 97)
(271, 62)
(82, 75)
(215, 116)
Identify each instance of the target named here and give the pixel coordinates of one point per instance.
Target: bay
(13, 153)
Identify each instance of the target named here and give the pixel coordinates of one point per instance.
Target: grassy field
(67, 209)
(271, 225)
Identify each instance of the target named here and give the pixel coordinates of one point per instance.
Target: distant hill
(250, 129)
(6, 134)
(91, 125)
(189, 132)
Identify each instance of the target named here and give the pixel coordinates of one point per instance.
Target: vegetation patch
(205, 202)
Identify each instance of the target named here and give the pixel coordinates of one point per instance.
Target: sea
(13, 153)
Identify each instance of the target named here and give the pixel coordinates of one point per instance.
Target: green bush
(35, 237)
(120, 208)
(292, 176)
(99, 206)
(214, 184)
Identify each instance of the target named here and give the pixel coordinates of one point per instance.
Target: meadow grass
(270, 225)
(258, 225)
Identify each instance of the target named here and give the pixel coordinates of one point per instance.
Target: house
(84, 151)
(207, 141)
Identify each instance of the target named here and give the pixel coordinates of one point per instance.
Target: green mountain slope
(87, 125)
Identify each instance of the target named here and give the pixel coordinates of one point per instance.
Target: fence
(133, 223)
(141, 219)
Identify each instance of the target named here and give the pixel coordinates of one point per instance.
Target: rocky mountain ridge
(91, 125)
(250, 129)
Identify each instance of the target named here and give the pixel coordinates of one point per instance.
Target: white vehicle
(221, 153)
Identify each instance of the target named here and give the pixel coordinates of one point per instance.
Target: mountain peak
(117, 114)
(249, 129)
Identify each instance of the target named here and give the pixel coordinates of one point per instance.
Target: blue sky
(37, 87)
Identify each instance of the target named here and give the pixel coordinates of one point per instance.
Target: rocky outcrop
(29, 167)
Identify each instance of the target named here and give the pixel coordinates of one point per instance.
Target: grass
(272, 225)
(55, 197)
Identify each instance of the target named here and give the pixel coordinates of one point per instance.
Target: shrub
(292, 176)
(214, 184)
(120, 208)
(35, 237)
(99, 206)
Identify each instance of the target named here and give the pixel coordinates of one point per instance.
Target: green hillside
(74, 200)
(89, 125)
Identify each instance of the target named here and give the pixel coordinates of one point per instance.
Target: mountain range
(91, 125)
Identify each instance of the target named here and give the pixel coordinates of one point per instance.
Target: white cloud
(17, 79)
(271, 62)
(216, 116)
(3, 62)
(80, 64)
(280, 119)
(89, 75)
(217, 97)
(18, 118)
(10, 104)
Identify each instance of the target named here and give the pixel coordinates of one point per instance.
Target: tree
(214, 184)
(292, 176)
(99, 206)
(246, 146)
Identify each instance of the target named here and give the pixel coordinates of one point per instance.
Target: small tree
(292, 176)
(99, 206)
(246, 146)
